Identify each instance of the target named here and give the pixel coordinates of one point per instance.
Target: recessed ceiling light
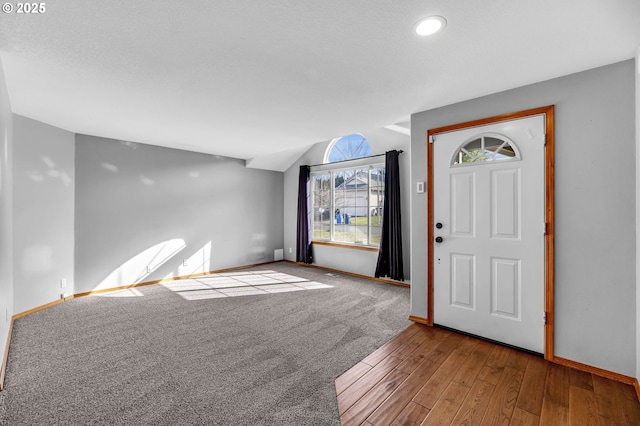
(431, 25)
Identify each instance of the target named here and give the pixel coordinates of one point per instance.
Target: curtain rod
(361, 158)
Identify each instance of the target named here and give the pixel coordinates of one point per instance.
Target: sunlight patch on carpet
(245, 283)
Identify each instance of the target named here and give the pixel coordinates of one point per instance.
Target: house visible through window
(347, 200)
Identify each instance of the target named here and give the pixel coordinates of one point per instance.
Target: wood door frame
(549, 209)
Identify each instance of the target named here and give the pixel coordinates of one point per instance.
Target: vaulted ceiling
(264, 80)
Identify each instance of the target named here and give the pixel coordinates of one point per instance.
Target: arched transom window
(486, 148)
(347, 147)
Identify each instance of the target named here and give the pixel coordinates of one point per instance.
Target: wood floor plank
(582, 407)
(492, 370)
(628, 391)
(412, 414)
(518, 360)
(365, 383)
(604, 386)
(448, 405)
(524, 418)
(468, 372)
(631, 410)
(556, 386)
(437, 354)
(610, 408)
(532, 390)
(555, 403)
(453, 341)
(505, 395)
(554, 413)
(581, 379)
(350, 376)
(359, 411)
(439, 333)
(385, 350)
(475, 404)
(410, 345)
(468, 345)
(395, 403)
(423, 351)
(435, 386)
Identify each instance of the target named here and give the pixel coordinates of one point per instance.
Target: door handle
(439, 239)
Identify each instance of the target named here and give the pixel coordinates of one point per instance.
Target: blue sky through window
(349, 147)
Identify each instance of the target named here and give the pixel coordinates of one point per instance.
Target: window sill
(347, 246)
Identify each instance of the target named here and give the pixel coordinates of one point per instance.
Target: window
(347, 200)
(348, 147)
(483, 148)
(347, 205)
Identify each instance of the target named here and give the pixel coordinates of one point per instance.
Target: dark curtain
(303, 242)
(390, 253)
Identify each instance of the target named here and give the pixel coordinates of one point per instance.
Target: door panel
(505, 206)
(488, 269)
(463, 281)
(463, 204)
(505, 288)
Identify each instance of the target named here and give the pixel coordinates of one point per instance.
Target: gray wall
(43, 212)
(140, 205)
(345, 259)
(595, 291)
(637, 115)
(6, 214)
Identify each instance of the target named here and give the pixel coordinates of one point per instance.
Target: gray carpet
(268, 359)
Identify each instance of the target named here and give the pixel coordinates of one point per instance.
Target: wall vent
(278, 254)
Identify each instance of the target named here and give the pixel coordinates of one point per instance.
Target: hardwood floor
(428, 375)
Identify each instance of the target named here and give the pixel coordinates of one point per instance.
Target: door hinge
(546, 228)
(544, 317)
(432, 138)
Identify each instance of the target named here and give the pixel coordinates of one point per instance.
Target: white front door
(489, 225)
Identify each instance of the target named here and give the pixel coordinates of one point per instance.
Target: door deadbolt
(439, 225)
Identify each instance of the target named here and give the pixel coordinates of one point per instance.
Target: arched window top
(347, 147)
(488, 147)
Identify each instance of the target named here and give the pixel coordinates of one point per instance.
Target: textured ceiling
(263, 80)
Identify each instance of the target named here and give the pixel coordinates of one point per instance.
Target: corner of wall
(43, 243)
(637, 116)
(6, 216)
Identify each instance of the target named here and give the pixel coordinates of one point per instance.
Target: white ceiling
(264, 80)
